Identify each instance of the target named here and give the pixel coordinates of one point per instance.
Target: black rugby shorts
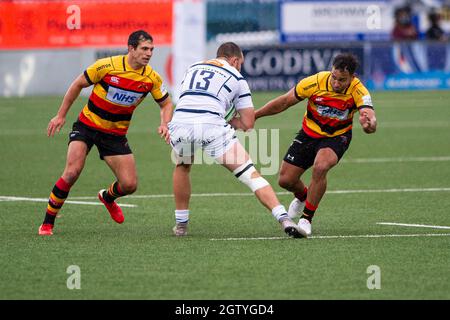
(107, 144)
(304, 148)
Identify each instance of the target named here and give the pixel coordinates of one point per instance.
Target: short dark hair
(138, 36)
(346, 62)
(229, 50)
(434, 16)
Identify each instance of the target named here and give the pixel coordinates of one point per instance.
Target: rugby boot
(290, 228)
(113, 208)
(304, 227)
(295, 208)
(180, 229)
(46, 229)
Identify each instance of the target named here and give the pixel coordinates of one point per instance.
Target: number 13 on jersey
(205, 79)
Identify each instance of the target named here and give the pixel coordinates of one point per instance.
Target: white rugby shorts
(214, 139)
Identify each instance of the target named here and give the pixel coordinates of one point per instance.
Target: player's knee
(128, 187)
(248, 175)
(321, 168)
(71, 175)
(286, 182)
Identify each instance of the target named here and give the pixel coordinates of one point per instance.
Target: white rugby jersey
(209, 90)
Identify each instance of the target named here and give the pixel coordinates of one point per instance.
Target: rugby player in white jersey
(209, 90)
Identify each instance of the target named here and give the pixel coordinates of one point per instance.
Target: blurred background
(402, 45)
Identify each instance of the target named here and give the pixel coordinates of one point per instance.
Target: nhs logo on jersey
(123, 97)
(333, 113)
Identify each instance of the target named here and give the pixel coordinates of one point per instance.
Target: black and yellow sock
(113, 192)
(56, 200)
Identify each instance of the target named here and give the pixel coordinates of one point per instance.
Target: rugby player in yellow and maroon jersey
(120, 85)
(333, 98)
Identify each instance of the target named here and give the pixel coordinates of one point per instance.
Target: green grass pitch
(235, 249)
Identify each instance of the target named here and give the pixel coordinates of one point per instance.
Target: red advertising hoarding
(83, 23)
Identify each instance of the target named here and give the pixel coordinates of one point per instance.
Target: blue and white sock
(279, 213)
(182, 216)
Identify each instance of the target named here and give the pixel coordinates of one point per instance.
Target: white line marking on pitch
(3, 198)
(342, 237)
(413, 225)
(400, 159)
(388, 190)
(235, 194)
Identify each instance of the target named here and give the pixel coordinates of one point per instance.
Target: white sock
(182, 216)
(279, 212)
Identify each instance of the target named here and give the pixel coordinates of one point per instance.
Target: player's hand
(55, 125)
(234, 122)
(368, 124)
(163, 131)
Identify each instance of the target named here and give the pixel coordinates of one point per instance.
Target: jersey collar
(127, 67)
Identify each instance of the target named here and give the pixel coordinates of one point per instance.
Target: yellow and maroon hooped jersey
(329, 113)
(118, 90)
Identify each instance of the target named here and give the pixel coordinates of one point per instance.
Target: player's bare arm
(368, 120)
(278, 104)
(166, 112)
(58, 121)
(245, 121)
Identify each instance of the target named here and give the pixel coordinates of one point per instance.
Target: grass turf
(142, 260)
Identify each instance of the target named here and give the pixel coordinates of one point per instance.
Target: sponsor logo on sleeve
(367, 100)
(163, 89)
(103, 66)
